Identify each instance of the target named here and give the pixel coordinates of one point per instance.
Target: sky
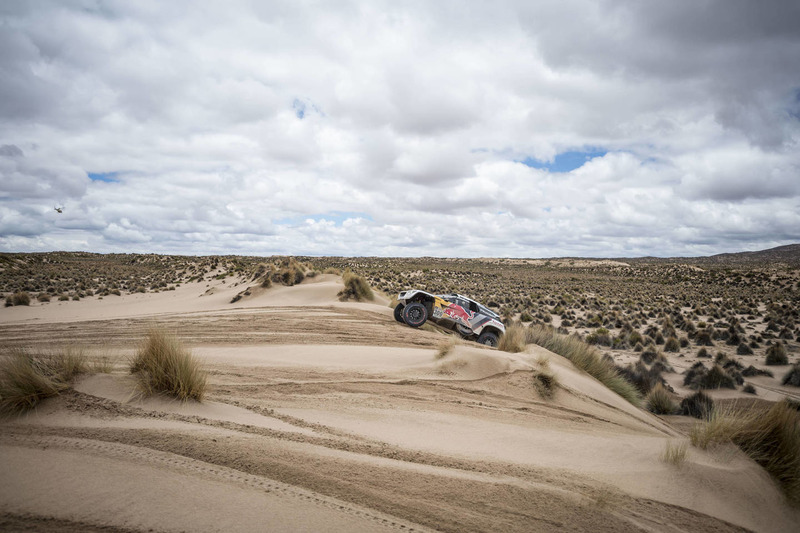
(588, 128)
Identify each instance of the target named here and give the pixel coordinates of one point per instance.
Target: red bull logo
(456, 312)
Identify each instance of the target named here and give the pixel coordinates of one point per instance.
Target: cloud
(237, 128)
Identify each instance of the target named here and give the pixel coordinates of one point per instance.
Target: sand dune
(323, 415)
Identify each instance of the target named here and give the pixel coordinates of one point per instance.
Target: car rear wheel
(488, 338)
(398, 313)
(415, 314)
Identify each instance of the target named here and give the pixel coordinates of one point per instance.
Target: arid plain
(328, 415)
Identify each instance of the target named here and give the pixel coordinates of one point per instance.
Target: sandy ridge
(142, 455)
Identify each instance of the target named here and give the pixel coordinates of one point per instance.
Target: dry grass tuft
(24, 382)
(513, 340)
(102, 365)
(675, 454)
(355, 288)
(164, 365)
(67, 364)
(659, 401)
(770, 438)
(776, 355)
(585, 357)
(26, 379)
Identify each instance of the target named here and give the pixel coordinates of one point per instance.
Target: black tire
(415, 314)
(488, 338)
(398, 313)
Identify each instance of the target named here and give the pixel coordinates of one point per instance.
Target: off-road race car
(452, 311)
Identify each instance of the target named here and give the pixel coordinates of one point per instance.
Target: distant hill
(789, 254)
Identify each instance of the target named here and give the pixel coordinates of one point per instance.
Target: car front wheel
(488, 338)
(415, 314)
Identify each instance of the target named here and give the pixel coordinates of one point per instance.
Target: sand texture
(329, 416)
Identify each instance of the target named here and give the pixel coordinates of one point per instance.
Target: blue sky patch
(337, 217)
(107, 177)
(565, 161)
(299, 108)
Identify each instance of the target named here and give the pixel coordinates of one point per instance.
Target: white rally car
(453, 311)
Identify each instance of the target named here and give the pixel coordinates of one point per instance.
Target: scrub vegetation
(770, 437)
(28, 378)
(163, 365)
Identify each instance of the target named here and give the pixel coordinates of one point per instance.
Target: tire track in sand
(165, 460)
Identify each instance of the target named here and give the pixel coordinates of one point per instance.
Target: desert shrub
(771, 438)
(355, 288)
(103, 365)
(526, 317)
(21, 298)
(792, 377)
(162, 364)
(702, 353)
(649, 354)
(698, 377)
(659, 401)
(585, 357)
(776, 355)
(642, 377)
(43, 297)
(698, 405)
(675, 453)
(749, 389)
(672, 345)
(753, 371)
(600, 336)
(513, 340)
(24, 383)
(691, 375)
(743, 349)
(703, 338)
(26, 379)
(66, 364)
(717, 378)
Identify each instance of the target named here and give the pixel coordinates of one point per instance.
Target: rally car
(453, 311)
